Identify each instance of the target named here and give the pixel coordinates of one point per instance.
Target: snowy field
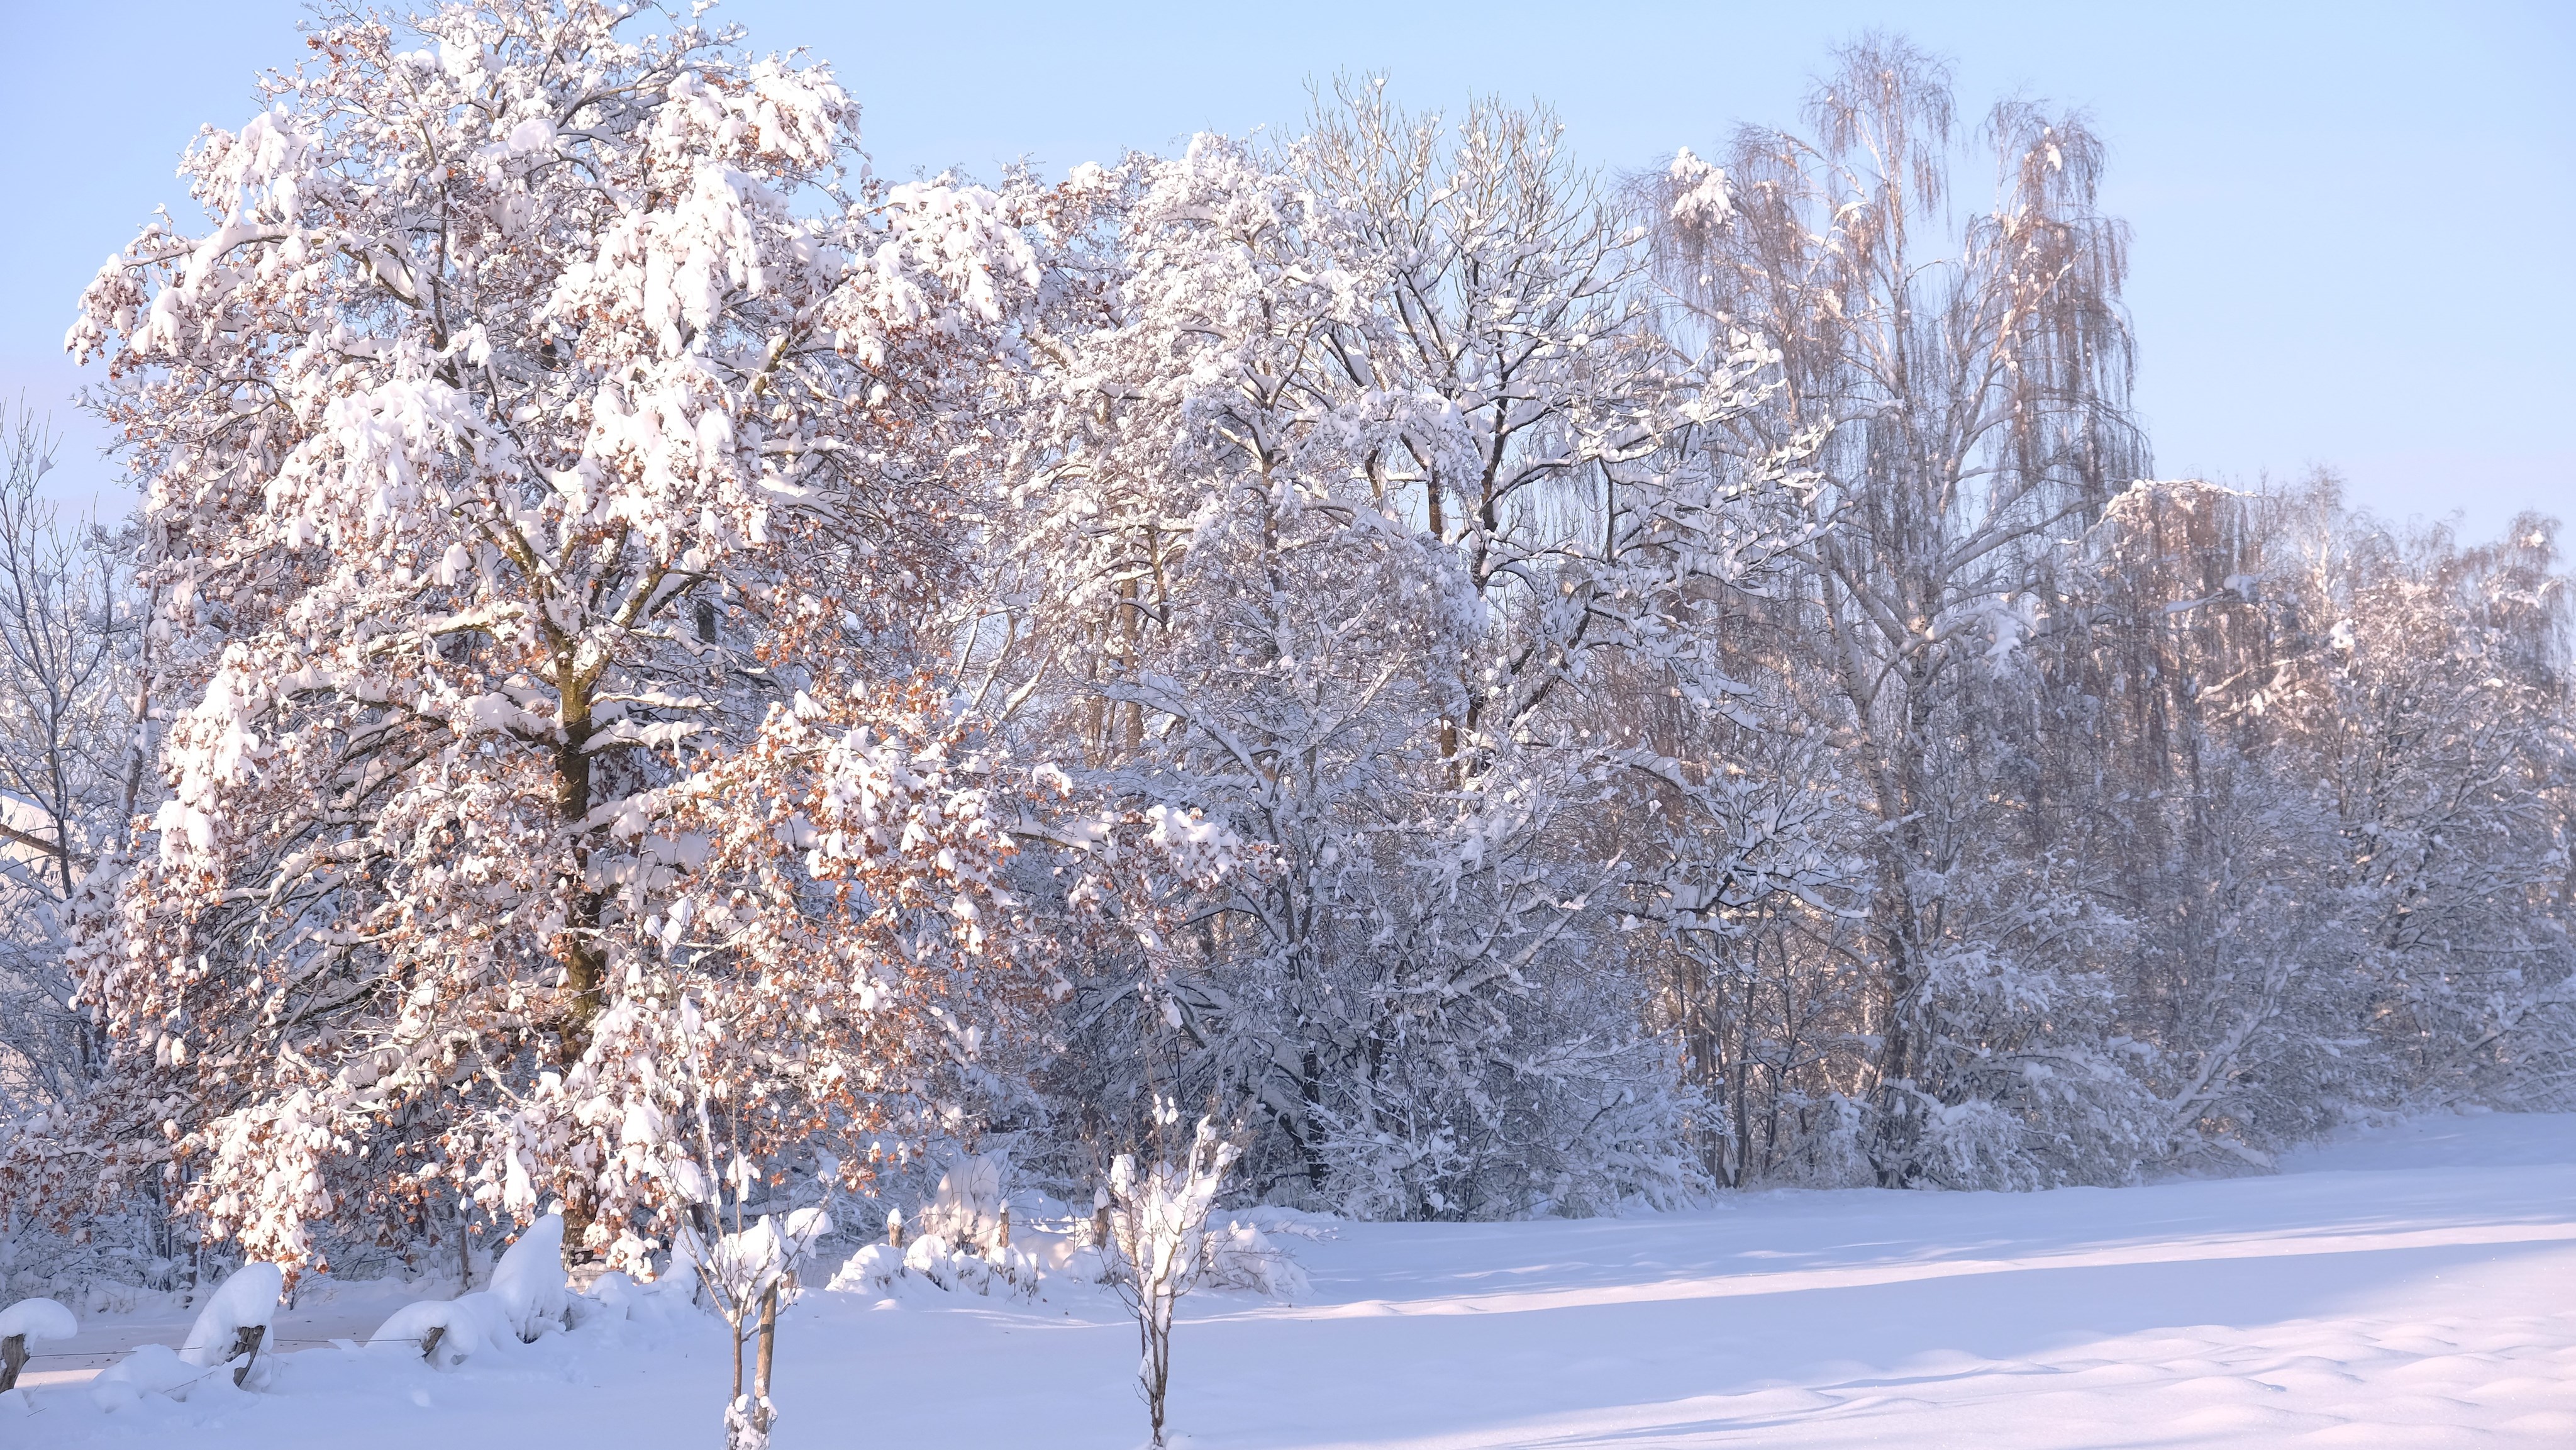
(2413, 1287)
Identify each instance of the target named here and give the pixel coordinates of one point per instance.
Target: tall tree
(543, 407)
(1972, 365)
(1366, 460)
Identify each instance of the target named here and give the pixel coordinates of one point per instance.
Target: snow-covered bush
(969, 1203)
(1244, 1257)
(963, 1268)
(872, 1270)
(933, 1260)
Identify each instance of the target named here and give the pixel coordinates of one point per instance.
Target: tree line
(1517, 690)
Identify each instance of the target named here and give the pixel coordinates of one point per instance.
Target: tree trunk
(585, 962)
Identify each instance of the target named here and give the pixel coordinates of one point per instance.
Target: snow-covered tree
(656, 665)
(2337, 761)
(1158, 1245)
(1364, 459)
(1971, 364)
(551, 411)
(72, 770)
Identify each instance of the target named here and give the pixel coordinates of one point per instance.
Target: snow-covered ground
(2409, 1287)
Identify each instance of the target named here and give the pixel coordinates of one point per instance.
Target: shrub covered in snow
(1242, 1257)
(1159, 1244)
(959, 1269)
(969, 1205)
(872, 1270)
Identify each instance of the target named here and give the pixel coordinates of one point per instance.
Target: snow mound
(153, 1369)
(529, 1281)
(872, 1270)
(246, 1300)
(620, 1297)
(618, 1294)
(467, 1324)
(37, 1319)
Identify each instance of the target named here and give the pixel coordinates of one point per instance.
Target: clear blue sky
(2353, 222)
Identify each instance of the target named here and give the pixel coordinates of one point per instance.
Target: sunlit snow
(2405, 1287)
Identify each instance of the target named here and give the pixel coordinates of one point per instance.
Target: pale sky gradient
(2352, 222)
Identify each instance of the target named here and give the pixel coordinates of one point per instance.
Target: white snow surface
(2412, 1286)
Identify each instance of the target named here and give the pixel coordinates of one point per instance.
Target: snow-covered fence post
(246, 1342)
(235, 1321)
(29, 1319)
(1157, 1235)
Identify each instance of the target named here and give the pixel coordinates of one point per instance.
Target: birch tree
(1972, 363)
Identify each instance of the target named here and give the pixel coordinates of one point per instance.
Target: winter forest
(1368, 670)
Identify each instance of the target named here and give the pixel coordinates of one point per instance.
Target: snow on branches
(540, 411)
(1366, 457)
